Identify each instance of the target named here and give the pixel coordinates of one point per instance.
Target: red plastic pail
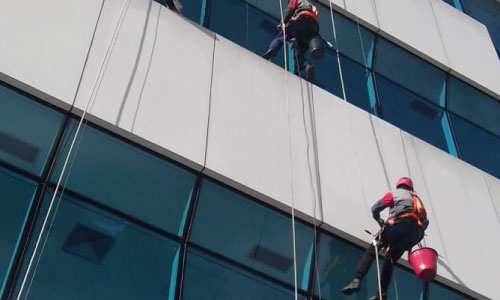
(424, 263)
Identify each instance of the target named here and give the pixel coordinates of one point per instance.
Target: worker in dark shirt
(403, 229)
(301, 25)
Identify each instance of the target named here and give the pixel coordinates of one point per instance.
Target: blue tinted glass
(488, 13)
(209, 278)
(349, 37)
(473, 105)
(405, 285)
(455, 3)
(336, 262)
(438, 292)
(244, 25)
(358, 85)
(410, 71)
(192, 10)
(477, 146)
(326, 73)
(414, 115)
(16, 196)
(90, 254)
(243, 230)
(27, 131)
(272, 8)
(124, 177)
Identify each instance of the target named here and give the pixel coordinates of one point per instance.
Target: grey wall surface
(206, 102)
(45, 43)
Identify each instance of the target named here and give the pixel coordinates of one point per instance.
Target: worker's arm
(380, 205)
(290, 10)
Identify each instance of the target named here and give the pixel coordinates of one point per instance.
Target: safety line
(337, 51)
(316, 161)
(90, 102)
(283, 28)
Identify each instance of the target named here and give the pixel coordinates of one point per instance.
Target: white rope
(290, 153)
(316, 165)
(337, 51)
(61, 175)
(378, 269)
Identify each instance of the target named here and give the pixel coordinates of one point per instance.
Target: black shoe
(269, 54)
(309, 73)
(377, 296)
(352, 287)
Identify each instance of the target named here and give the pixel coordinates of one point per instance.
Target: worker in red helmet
(403, 229)
(300, 20)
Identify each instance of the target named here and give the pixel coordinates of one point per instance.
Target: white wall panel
(305, 162)
(455, 189)
(248, 126)
(413, 23)
(469, 47)
(494, 189)
(344, 139)
(44, 45)
(365, 10)
(156, 91)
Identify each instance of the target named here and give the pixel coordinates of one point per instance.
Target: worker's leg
(361, 270)
(392, 256)
(274, 46)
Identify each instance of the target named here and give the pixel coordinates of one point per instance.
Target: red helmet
(404, 181)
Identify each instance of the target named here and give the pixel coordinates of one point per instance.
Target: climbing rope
(337, 52)
(89, 104)
(283, 28)
(315, 196)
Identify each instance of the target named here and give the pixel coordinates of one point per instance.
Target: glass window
(194, 10)
(326, 73)
(415, 115)
(124, 177)
(405, 285)
(336, 262)
(410, 71)
(477, 146)
(349, 40)
(89, 252)
(436, 291)
(28, 130)
(244, 25)
(488, 13)
(455, 3)
(358, 85)
(208, 278)
(241, 229)
(473, 105)
(16, 196)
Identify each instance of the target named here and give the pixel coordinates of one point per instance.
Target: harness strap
(313, 13)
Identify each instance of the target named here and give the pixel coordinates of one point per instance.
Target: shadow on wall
(443, 264)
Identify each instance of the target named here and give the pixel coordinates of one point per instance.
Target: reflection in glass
(126, 178)
(236, 227)
(410, 71)
(16, 197)
(473, 105)
(477, 146)
(244, 25)
(28, 130)
(208, 278)
(415, 115)
(90, 254)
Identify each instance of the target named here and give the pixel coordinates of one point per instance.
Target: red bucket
(424, 263)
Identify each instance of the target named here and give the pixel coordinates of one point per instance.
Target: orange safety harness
(313, 13)
(418, 212)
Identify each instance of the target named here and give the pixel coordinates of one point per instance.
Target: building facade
(180, 156)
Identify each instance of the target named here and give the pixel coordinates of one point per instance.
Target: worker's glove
(381, 222)
(279, 27)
